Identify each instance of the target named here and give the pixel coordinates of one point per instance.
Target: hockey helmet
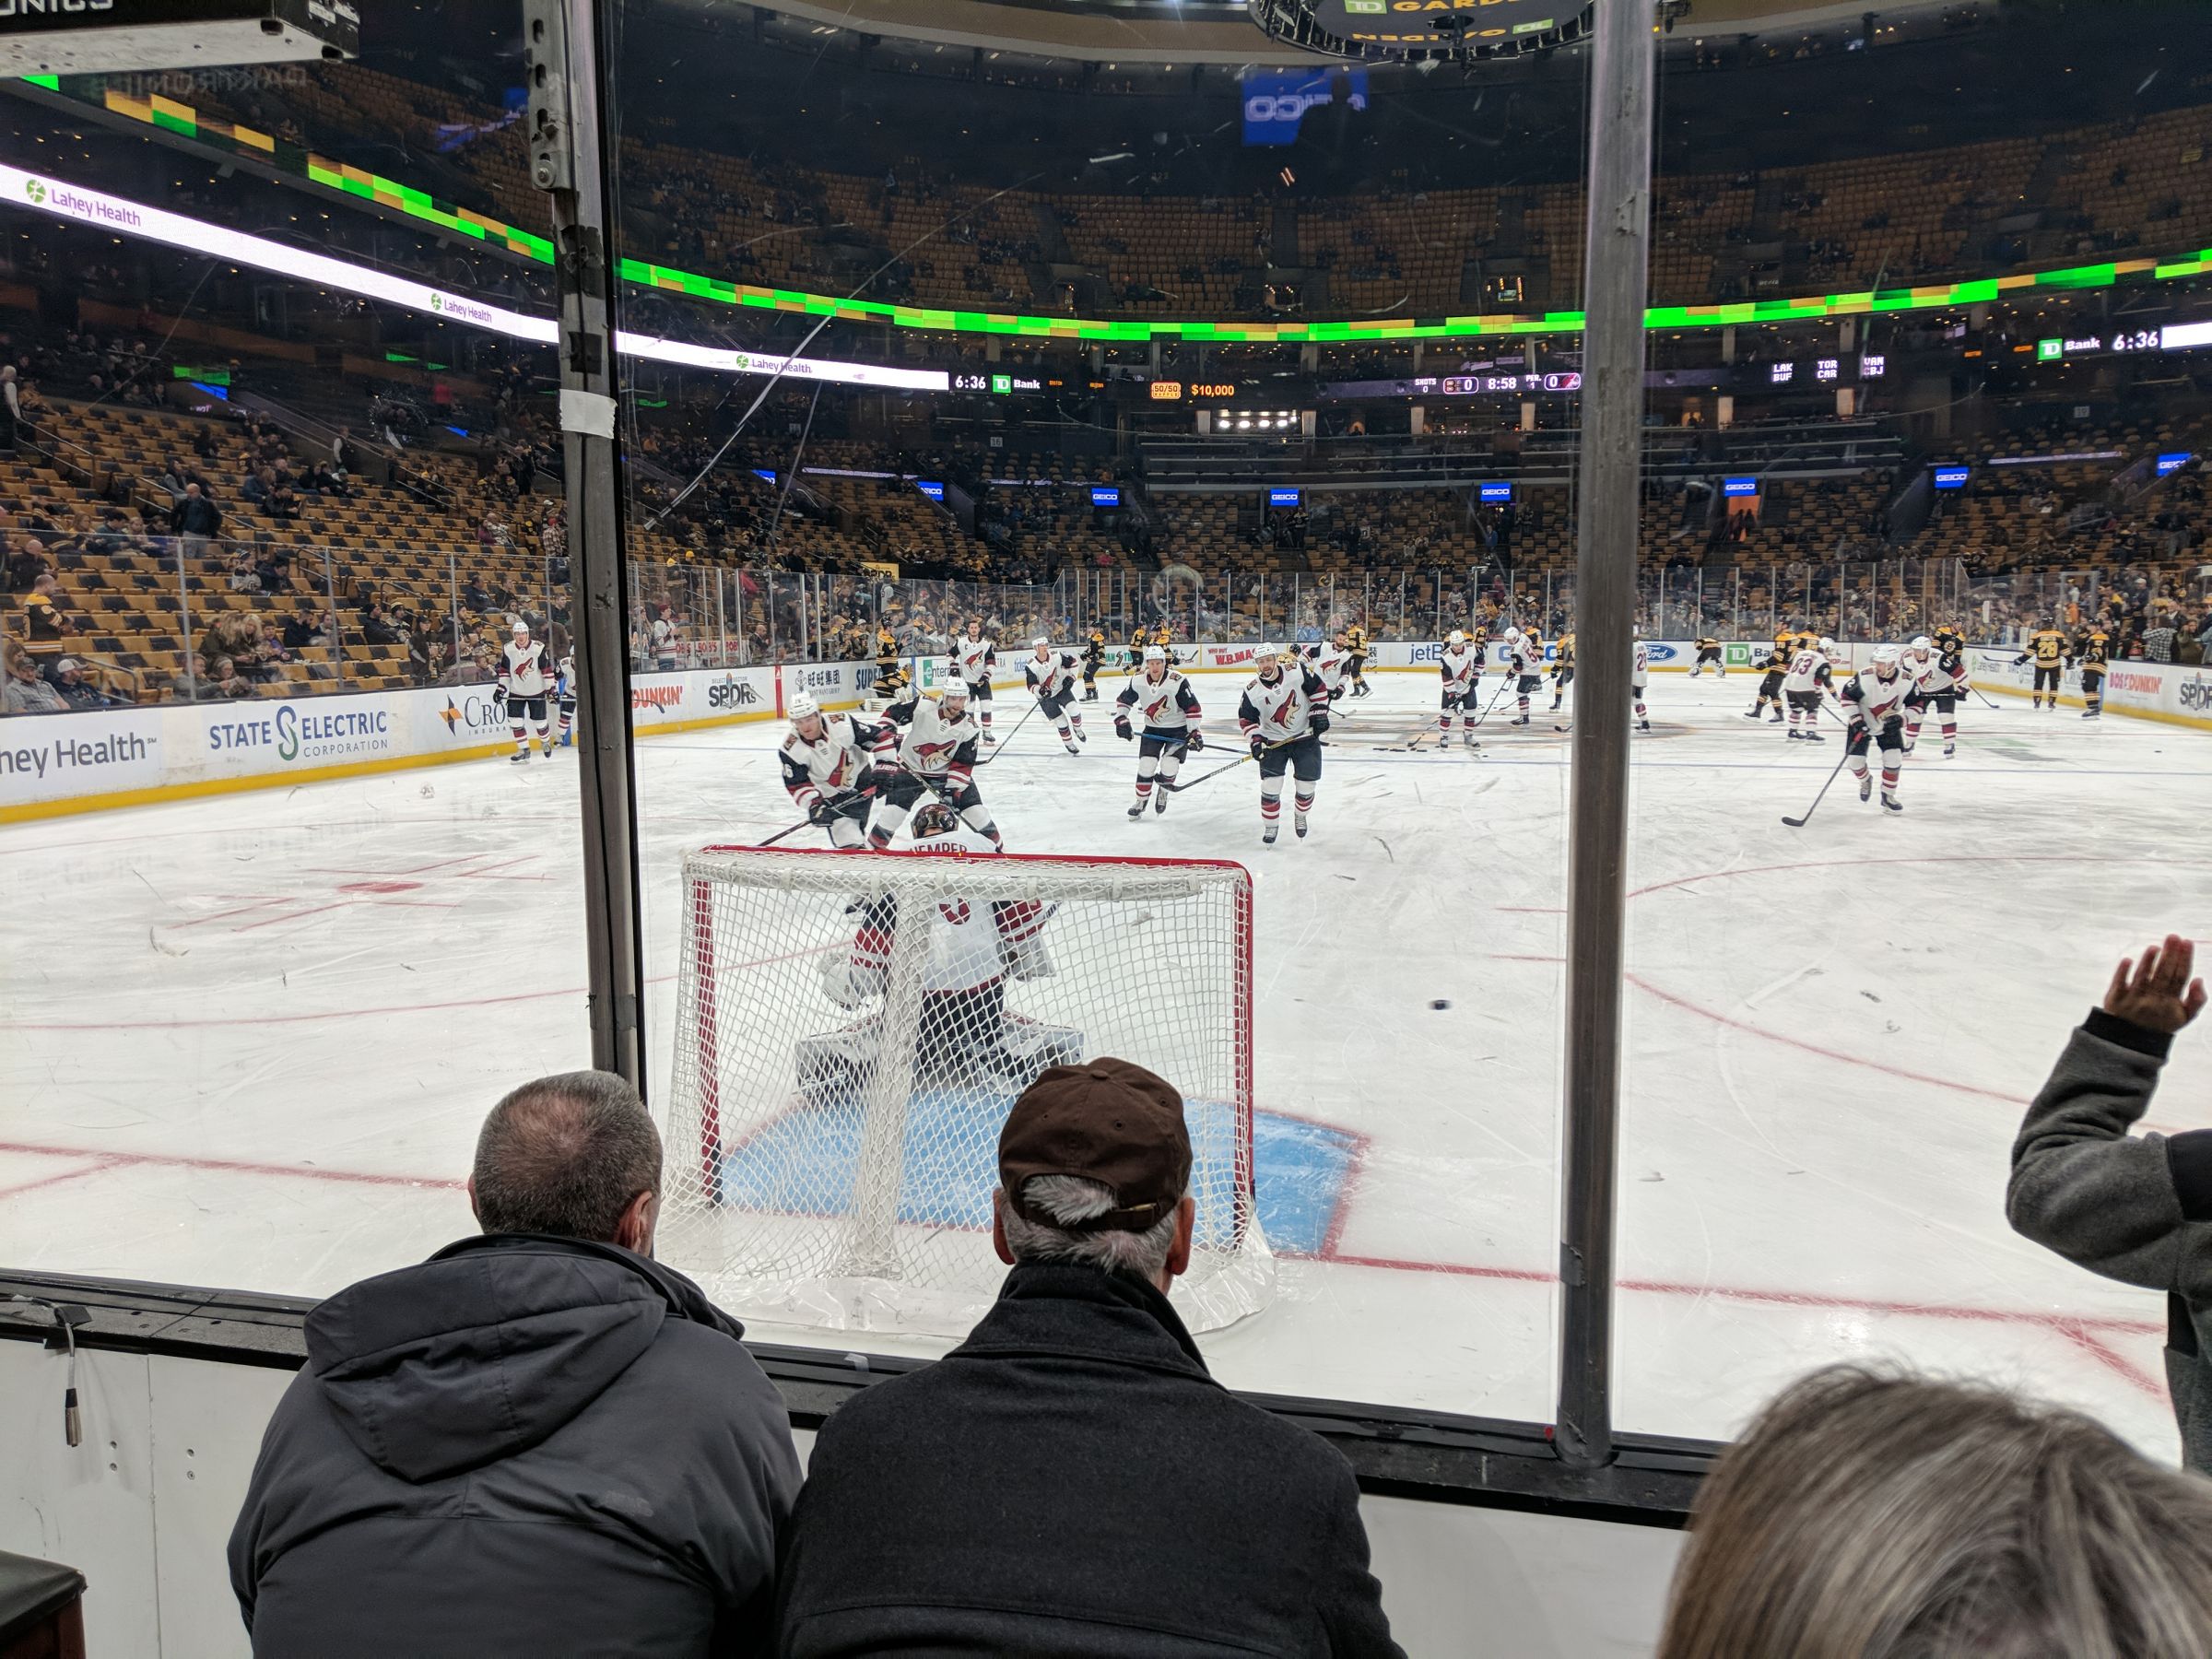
(1155, 653)
(1828, 646)
(1512, 636)
(956, 691)
(1042, 642)
(1456, 638)
(803, 707)
(1885, 656)
(933, 819)
(521, 625)
(1923, 644)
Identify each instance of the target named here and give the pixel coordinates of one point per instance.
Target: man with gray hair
(540, 1440)
(1070, 1480)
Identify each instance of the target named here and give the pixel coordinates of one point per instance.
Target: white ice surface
(247, 1041)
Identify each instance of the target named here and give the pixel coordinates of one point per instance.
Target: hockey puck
(1440, 1003)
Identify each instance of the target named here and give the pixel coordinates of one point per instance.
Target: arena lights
(120, 216)
(266, 150)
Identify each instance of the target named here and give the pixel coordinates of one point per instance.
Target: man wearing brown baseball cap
(1071, 1481)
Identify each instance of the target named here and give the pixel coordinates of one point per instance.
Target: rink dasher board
(97, 760)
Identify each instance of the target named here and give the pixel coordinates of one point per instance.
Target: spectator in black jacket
(540, 1440)
(1070, 1480)
(2130, 1207)
(194, 518)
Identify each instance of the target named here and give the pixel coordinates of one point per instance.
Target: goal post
(851, 1030)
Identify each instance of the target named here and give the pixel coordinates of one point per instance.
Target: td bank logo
(35, 189)
(1365, 7)
(437, 302)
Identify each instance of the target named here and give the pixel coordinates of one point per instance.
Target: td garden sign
(1439, 23)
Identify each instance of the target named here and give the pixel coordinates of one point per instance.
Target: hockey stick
(1503, 687)
(844, 798)
(1798, 823)
(1241, 760)
(1000, 746)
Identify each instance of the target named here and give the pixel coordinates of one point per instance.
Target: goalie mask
(933, 820)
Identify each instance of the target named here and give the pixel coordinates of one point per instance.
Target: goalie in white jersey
(1284, 711)
(526, 679)
(1161, 703)
(1875, 699)
(1460, 661)
(961, 1030)
(927, 747)
(825, 759)
(973, 656)
(1052, 676)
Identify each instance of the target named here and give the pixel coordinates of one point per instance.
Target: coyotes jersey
(1460, 668)
(1919, 668)
(974, 659)
(1809, 671)
(1525, 659)
(1950, 669)
(1641, 677)
(1052, 676)
(1873, 699)
(918, 737)
(523, 670)
(832, 764)
(567, 678)
(1282, 712)
(1167, 705)
(1327, 665)
(972, 943)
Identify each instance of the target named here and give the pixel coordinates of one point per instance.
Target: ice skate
(520, 757)
(1267, 836)
(1815, 737)
(1298, 822)
(1892, 802)
(1469, 739)
(1159, 803)
(1523, 720)
(1643, 725)
(1750, 713)
(1866, 787)
(1776, 719)
(1949, 749)
(1071, 749)
(1137, 811)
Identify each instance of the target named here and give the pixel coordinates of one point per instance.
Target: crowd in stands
(547, 1373)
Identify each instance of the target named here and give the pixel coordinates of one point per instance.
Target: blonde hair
(1879, 1515)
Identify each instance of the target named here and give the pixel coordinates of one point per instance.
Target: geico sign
(731, 694)
(1280, 106)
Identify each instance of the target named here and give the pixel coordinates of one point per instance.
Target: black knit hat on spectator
(1107, 1121)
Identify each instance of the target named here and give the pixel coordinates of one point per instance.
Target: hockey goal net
(851, 1030)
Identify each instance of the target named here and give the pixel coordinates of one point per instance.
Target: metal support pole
(565, 70)
(1618, 234)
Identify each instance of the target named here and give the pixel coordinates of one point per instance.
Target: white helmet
(1041, 641)
(1513, 635)
(1885, 656)
(1155, 653)
(1923, 644)
(955, 688)
(520, 626)
(1828, 646)
(803, 707)
(1456, 638)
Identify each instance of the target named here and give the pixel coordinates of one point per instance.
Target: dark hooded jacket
(524, 1445)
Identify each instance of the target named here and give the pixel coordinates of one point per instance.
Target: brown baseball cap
(1108, 1120)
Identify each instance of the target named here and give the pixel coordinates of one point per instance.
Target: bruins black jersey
(1706, 644)
(2094, 652)
(2048, 647)
(1094, 648)
(886, 647)
(1162, 635)
(1566, 652)
(1355, 642)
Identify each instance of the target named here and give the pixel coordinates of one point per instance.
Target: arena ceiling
(1218, 31)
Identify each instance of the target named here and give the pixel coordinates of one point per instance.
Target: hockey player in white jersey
(825, 759)
(1460, 661)
(1917, 663)
(1874, 699)
(1524, 663)
(1640, 676)
(1159, 707)
(1811, 673)
(973, 656)
(1283, 715)
(963, 1032)
(1329, 660)
(526, 677)
(1943, 690)
(564, 684)
(1053, 676)
(927, 747)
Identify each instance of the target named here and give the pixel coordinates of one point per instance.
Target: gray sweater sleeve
(2083, 1187)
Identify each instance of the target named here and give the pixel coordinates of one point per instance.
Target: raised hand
(2158, 993)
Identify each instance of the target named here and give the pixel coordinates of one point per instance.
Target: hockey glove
(1259, 746)
(1196, 740)
(499, 700)
(1318, 722)
(1120, 728)
(821, 812)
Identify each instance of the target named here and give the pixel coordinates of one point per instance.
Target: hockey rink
(246, 1040)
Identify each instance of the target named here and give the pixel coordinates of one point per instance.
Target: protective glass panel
(1922, 283)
